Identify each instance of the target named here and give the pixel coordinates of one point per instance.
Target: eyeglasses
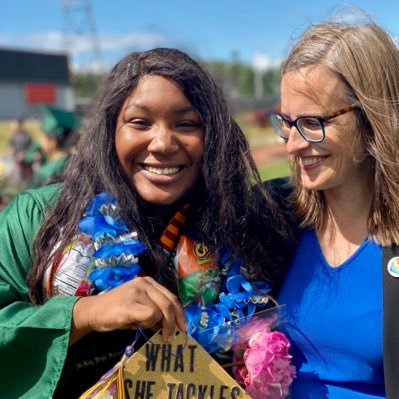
(311, 127)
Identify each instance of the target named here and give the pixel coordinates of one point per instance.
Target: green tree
(271, 82)
(86, 84)
(247, 81)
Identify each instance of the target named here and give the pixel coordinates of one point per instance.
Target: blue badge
(393, 267)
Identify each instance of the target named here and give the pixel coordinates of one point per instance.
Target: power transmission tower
(80, 31)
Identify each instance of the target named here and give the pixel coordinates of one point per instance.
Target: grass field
(257, 136)
(262, 136)
(276, 169)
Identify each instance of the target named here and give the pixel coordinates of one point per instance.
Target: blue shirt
(334, 322)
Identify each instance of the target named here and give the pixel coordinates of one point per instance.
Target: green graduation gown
(35, 358)
(33, 339)
(49, 170)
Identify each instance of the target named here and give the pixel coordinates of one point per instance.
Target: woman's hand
(140, 302)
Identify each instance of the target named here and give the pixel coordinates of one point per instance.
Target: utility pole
(258, 82)
(80, 28)
(260, 64)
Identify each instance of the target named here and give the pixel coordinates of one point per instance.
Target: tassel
(111, 385)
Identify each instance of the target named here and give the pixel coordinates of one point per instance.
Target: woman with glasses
(340, 121)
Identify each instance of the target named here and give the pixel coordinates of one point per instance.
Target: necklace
(213, 323)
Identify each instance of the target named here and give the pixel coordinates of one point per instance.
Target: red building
(28, 79)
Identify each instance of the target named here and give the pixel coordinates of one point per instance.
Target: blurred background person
(19, 144)
(57, 138)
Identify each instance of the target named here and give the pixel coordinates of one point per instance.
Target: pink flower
(267, 370)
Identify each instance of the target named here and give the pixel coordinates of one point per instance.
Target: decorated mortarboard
(57, 122)
(181, 369)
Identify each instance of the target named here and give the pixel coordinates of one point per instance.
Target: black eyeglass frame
(320, 119)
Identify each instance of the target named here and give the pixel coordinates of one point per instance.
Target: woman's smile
(161, 174)
(168, 171)
(331, 163)
(312, 162)
(159, 141)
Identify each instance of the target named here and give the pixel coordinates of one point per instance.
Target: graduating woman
(162, 175)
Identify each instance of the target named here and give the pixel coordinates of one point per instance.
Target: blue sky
(259, 31)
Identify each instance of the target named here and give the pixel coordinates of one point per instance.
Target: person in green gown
(161, 158)
(58, 132)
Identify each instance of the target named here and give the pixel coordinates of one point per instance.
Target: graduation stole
(195, 265)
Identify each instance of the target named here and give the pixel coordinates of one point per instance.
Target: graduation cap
(58, 122)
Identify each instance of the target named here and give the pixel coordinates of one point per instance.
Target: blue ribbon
(213, 326)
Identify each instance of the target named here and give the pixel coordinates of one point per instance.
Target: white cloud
(80, 46)
(350, 14)
(262, 62)
(47, 41)
(132, 40)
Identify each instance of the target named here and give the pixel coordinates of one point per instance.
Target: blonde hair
(366, 58)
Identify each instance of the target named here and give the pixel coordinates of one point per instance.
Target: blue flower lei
(115, 261)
